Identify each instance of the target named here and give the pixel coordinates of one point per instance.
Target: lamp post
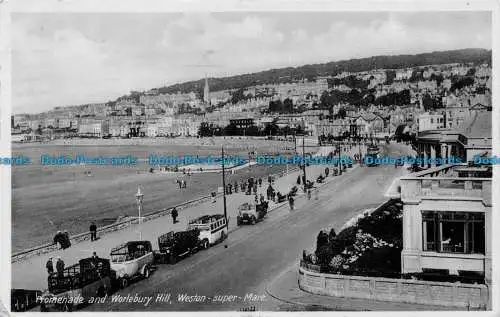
(139, 196)
(224, 186)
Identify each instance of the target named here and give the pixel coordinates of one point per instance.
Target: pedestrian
(235, 186)
(290, 202)
(66, 240)
(316, 194)
(174, 213)
(262, 198)
(184, 183)
(58, 239)
(256, 198)
(214, 194)
(309, 194)
(60, 266)
(327, 171)
(179, 183)
(49, 266)
(93, 231)
(255, 188)
(260, 182)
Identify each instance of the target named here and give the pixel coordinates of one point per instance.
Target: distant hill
(289, 74)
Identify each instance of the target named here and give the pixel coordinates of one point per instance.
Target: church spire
(206, 91)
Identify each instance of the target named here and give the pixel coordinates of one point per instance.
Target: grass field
(50, 198)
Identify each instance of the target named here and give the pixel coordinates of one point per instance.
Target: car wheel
(101, 292)
(67, 308)
(146, 272)
(124, 282)
(205, 244)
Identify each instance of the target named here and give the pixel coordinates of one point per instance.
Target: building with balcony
(447, 221)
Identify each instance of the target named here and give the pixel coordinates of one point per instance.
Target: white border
(8, 6)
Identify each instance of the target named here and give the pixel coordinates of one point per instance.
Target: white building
(430, 121)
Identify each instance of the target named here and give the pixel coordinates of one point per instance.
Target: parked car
(130, 260)
(250, 213)
(213, 228)
(175, 245)
(88, 278)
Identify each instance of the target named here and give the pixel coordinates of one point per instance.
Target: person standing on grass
(93, 231)
(174, 213)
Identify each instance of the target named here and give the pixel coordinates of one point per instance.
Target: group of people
(181, 182)
(59, 266)
(62, 238)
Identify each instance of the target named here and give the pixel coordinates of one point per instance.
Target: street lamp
(139, 196)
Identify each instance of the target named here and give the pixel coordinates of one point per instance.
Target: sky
(63, 59)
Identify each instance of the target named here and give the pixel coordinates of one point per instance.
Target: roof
(479, 126)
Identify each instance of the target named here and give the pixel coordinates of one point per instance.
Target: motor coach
(67, 290)
(130, 260)
(213, 228)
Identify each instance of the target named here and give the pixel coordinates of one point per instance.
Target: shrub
(331, 235)
(345, 238)
(384, 259)
(321, 240)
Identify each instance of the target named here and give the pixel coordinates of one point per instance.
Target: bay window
(453, 232)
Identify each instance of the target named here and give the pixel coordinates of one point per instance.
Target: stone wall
(471, 296)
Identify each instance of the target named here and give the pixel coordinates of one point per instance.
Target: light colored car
(250, 213)
(213, 228)
(130, 260)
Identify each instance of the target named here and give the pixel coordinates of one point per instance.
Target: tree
(288, 105)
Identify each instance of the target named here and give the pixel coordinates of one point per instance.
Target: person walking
(49, 266)
(290, 202)
(60, 266)
(93, 231)
(174, 215)
(262, 198)
(309, 194)
(214, 194)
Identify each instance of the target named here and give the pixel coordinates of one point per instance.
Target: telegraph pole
(224, 186)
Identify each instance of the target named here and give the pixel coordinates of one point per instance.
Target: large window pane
(453, 236)
(429, 231)
(478, 237)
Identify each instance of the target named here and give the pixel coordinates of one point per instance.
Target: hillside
(310, 72)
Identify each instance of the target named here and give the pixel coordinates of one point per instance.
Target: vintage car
(372, 154)
(213, 229)
(250, 213)
(130, 260)
(175, 245)
(71, 288)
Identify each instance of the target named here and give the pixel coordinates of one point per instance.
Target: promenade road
(31, 273)
(256, 255)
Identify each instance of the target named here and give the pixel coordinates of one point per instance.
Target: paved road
(255, 255)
